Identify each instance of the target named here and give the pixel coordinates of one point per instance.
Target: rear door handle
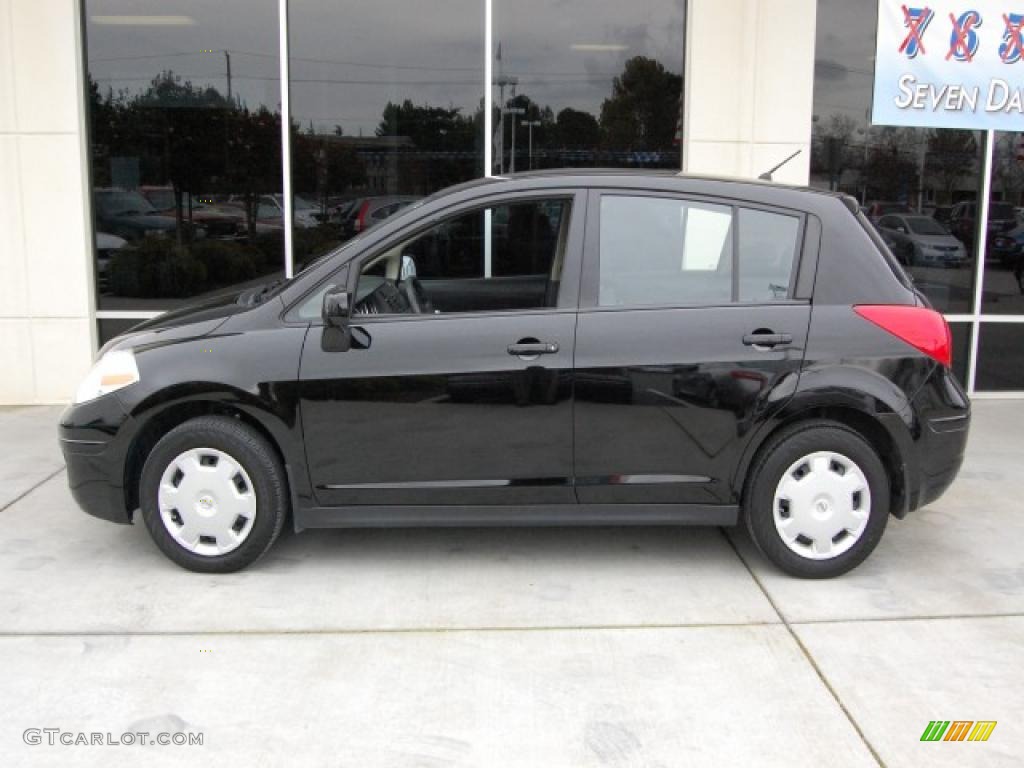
(532, 349)
(767, 339)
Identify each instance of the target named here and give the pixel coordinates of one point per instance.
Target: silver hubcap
(822, 505)
(207, 502)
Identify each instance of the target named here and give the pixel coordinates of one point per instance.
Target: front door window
(501, 258)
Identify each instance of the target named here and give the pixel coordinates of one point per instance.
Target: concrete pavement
(542, 647)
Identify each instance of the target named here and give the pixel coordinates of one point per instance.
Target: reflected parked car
(339, 208)
(964, 218)
(221, 223)
(129, 215)
(1008, 247)
(876, 209)
(304, 213)
(941, 214)
(106, 246)
(373, 210)
(921, 241)
(270, 210)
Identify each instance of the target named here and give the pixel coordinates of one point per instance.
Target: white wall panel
(46, 337)
(750, 84)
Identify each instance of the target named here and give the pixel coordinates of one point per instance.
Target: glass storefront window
(387, 107)
(1001, 357)
(184, 111)
(1003, 283)
(922, 189)
(961, 333)
(580, 84)
(915, 184)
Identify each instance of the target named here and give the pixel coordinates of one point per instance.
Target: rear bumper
(93, 438)
(942, 423)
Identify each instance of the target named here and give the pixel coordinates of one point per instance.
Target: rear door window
(667, 251)
(664, 251)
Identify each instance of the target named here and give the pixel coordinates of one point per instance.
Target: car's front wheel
(213, 495)
(818, 500)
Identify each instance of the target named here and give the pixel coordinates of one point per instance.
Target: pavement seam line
(923, 617)
(807, 654)
(44, 481)
(373, 631)
(466, 630)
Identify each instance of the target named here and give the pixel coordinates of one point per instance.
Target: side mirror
(336, 308)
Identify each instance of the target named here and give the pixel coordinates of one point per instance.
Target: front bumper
(94, 438)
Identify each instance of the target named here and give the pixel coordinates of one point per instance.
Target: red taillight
(361, 217)
(922, 328)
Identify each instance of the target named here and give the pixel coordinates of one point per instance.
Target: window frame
(591, 277)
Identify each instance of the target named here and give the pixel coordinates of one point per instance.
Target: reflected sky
(567, 52)
(129, 42)
(844, 58)
(349, 59)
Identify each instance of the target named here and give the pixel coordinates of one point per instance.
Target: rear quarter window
(767, 251)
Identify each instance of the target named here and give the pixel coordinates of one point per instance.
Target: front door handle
(767, 339)
(532, 349)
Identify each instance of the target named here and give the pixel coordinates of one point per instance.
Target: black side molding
(372, 516)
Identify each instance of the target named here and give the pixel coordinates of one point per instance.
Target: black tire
(775, 458)
(260, 462)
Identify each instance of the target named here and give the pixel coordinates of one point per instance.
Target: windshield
(303, 205)
(922, 225)
(113, 202)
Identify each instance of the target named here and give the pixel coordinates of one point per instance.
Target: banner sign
(950, 64)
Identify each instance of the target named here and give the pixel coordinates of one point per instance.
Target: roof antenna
(767, 175)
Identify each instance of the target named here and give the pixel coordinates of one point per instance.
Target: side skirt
(491, 516)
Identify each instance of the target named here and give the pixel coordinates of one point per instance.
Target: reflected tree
(188, 123)
(952, 155)
(643, 110)
(575, 128)
(892, 166)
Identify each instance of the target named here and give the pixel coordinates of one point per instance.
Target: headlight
(116, 369)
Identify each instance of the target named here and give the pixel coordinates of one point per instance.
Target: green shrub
(227, 262)
(156, 268)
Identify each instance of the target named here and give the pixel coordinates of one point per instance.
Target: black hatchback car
(547, 349)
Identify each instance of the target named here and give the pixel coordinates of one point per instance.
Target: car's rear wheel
(818, 500)
(213, 495)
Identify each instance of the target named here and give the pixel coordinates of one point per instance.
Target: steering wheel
(418, 300)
